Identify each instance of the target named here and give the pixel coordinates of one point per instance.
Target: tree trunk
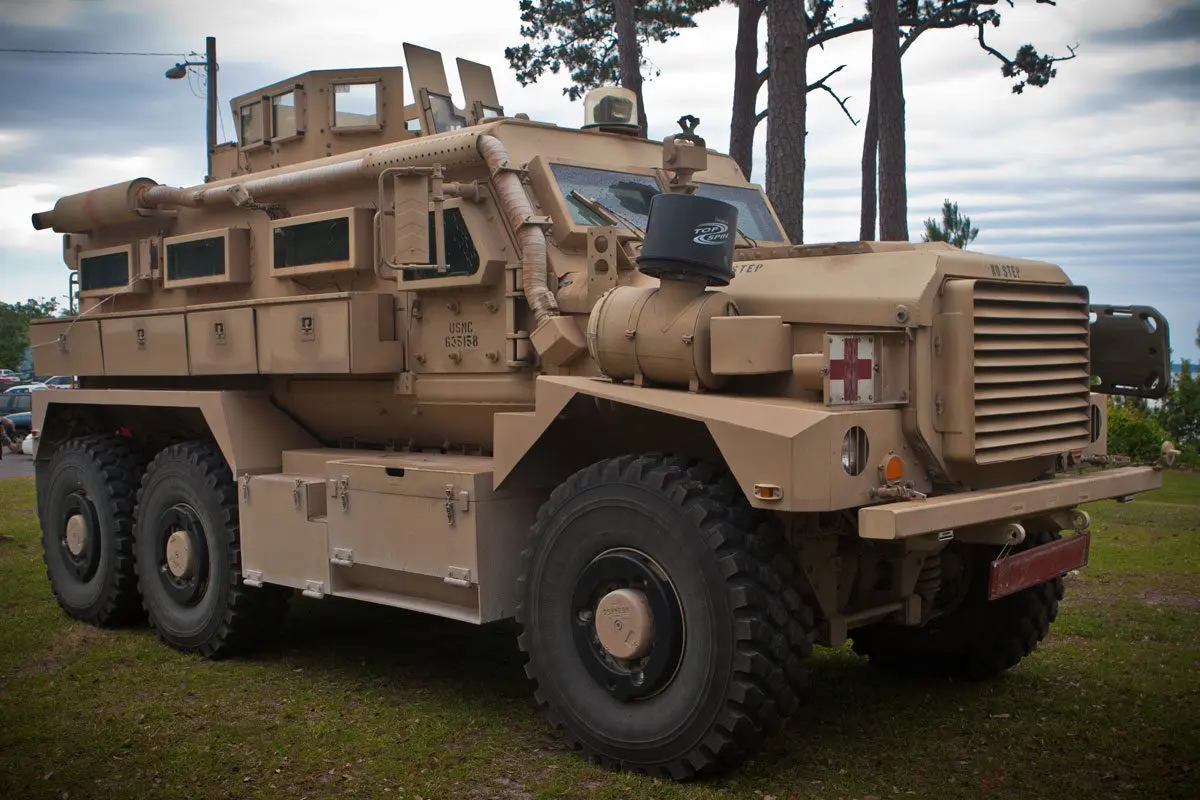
(870, 200)
(742, 121)
(629, 55)
(787, 84)
(889, 85)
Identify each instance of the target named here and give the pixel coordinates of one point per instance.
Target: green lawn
(361, 701)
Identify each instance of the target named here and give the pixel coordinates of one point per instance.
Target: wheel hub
(79, 536)
(179, 554)
(182, 551)
(625, 624)
(76, 534)
(628, 624)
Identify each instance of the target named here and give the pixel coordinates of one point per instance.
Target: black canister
(690, 237)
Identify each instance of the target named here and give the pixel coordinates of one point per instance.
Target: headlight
(854, 451)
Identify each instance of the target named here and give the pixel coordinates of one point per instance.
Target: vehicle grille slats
(985, 376)
(987, 360)
(1010, 344)
(994, 424)
(1022, 408)
(1031, 370)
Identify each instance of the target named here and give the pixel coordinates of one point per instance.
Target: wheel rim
(627, 624)
(79, 540)
(182, 550)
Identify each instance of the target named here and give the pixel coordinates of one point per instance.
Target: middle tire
(188, 551)
(710, 659)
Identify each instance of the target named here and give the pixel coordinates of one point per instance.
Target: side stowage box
(150, 345)
(70, 347)
(283, 533)
(222, 342)
(353, 333)
(426, 531)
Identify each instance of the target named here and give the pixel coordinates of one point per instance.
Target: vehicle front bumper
(953, 511)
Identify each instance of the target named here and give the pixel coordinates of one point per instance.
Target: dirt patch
(63, 649)
(1189, 602)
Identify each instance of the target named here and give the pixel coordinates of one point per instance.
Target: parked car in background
(25, 388)
(60, 382)
(8, 378)
(15, 403)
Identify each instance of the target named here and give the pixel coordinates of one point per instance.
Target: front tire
(726, 633)
(188, 547)
(86, 509)
(977, 639)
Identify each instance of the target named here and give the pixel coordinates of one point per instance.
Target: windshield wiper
(605, 213)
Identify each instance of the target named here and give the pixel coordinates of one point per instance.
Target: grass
(361, 701)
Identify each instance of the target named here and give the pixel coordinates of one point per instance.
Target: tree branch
(821, 84)
(760, 116)
(1008, 62)
(858, 25)
(840, 101)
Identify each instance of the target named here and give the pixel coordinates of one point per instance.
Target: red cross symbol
(850, 369)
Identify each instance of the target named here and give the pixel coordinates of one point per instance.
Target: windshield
(626, 193)
(754, 218)
(629, 194)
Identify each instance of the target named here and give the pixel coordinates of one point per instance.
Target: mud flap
(1038, 565)
(1130, 351)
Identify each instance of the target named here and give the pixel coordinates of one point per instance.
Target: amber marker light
(893, 469)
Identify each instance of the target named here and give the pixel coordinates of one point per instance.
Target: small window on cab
(250, 123)
(283, 116)
(461, 256)
(355, 106)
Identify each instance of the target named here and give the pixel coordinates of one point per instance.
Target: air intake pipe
(532, 239)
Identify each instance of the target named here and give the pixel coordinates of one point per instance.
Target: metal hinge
(341, 490)
(253, 578)
(297, 484)
(342, 557)
(314, 589)
(458, 576)
(246, 488)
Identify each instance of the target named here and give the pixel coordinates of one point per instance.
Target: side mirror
(1130, 351)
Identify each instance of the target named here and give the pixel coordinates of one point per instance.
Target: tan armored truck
(456, 361)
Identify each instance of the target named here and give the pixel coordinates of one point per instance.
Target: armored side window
(107, 271)
(444, 116)
(461, 256)
(283, 116)
(199, 258)
(250, 123)
(355, 105)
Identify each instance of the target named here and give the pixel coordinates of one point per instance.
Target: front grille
(1032, 377)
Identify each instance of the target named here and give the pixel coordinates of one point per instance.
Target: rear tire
(89, 492)
(978, 638)
(729, 633)
(189, 556)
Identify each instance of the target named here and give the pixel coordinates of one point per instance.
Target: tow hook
(904, 491)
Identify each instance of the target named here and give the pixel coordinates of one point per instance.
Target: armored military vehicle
(453, 360)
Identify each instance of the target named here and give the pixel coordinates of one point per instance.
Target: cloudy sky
(1099, 172)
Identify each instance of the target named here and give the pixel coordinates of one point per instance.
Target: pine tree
(955, 228)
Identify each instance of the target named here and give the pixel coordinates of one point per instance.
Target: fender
(774, 441)
(251, 431)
